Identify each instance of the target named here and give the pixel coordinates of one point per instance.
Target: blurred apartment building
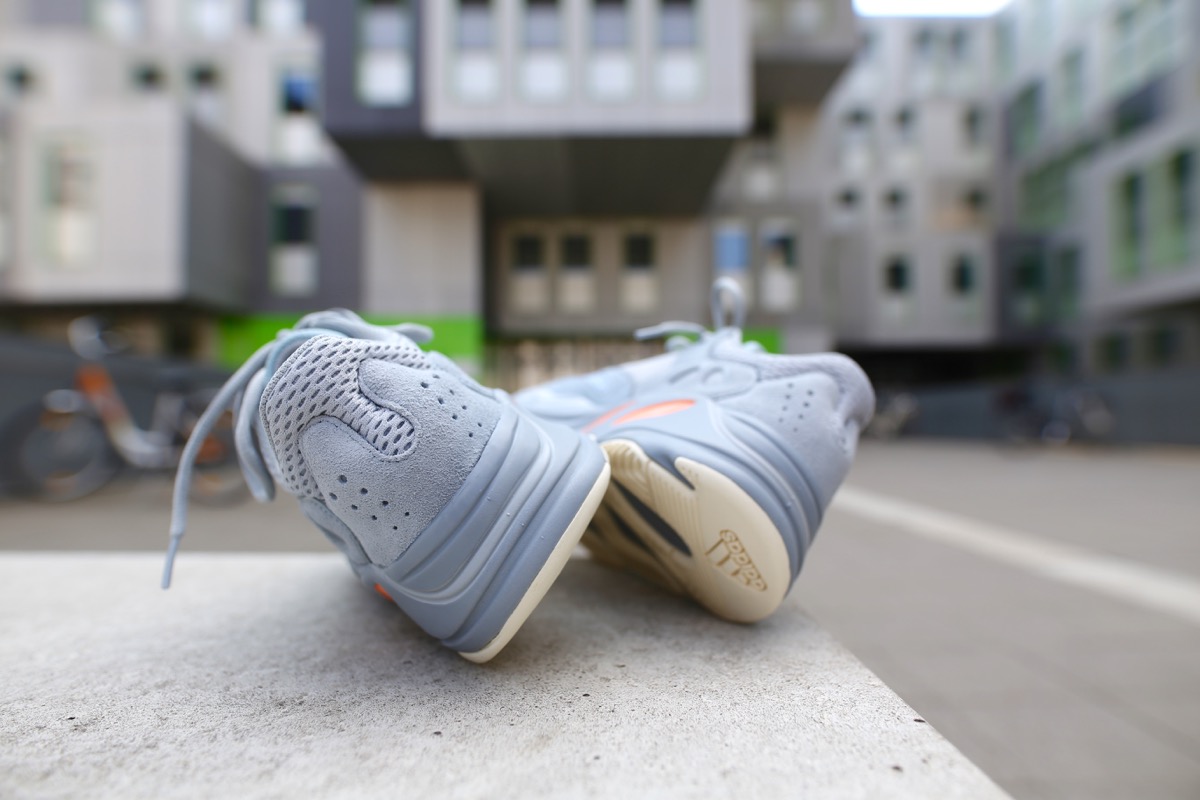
(160, 160)
(581, 169)
(943, 198)
(549, 174)
(1098, 205)
(910, 136)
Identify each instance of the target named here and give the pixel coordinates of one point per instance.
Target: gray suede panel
(388, 499)
(805, 413)
(321, 379)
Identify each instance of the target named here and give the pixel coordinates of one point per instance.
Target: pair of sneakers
(706, 469)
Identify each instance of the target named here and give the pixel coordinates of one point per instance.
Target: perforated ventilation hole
(341, 478)
(353, 507)
(362, 490)
(374, 518)
(383, 503)
(332, 496)
(406, 513)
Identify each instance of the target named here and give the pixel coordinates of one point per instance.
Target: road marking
(1156, 589)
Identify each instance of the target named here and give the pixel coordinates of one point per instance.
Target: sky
(928, 8)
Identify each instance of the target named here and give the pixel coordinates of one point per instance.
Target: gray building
(592, 165)
(164, 160)
(1098, 253)
(909, 137)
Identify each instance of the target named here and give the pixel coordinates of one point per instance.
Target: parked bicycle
(72, 442)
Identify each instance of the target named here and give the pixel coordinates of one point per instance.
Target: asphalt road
(1040, 608)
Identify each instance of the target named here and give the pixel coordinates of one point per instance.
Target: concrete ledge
(280, 675)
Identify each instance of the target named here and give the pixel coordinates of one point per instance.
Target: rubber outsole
(734, 561)
(548, 573)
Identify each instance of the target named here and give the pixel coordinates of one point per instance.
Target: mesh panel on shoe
(321, 380)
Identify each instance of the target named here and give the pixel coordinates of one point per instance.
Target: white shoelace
(243, 392)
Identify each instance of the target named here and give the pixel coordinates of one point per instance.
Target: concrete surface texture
(279, 674)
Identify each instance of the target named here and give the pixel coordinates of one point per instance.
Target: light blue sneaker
(724, 458)
(443, 495)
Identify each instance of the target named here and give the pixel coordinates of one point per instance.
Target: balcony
(624, 106)
(801, 48)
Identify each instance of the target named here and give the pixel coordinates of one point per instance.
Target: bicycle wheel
(56, 455)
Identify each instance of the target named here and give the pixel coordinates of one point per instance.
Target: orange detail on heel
(383, 592)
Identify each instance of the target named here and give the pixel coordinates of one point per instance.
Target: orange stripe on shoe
(383, 592)
(605, 417)
(656, 410)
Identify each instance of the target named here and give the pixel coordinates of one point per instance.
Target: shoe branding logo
(730, 557)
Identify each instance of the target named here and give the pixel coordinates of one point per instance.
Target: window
(205, 78)
(148, 77)
(975, 200)
(212, 19)
(960, 46)
(529, 281)
(780, 279)
(906, 123)
(896, 202)
(293, 223)
(1164, 345)
(281, 16)
(576, 252)
(639, 252)
(543, 25)
(19, 79)
(1071, 87)
(962, 275)
(120, 19)
(610, 24)
(294, 234)
(731, 248)
(1006, 46)
(1129, 228)
(1027, 305)
(1029, 276)
(529, 253)
(897, 279)
(69, 202)
(639, 283)
(296, 95)
(576, 281)
(678, 27)
(857, 127)
(384, 77)
(925, 46)
(1026, 120)
(475, 28)
(1068, 277)
(1181, 193)
(973, 134)
(1113, 352)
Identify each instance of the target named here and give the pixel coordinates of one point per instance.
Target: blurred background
(996, 213)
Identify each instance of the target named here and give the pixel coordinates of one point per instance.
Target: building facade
(1099, 264)
(909, 137)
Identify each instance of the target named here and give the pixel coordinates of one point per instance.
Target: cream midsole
(547, 574)
(738, 567)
